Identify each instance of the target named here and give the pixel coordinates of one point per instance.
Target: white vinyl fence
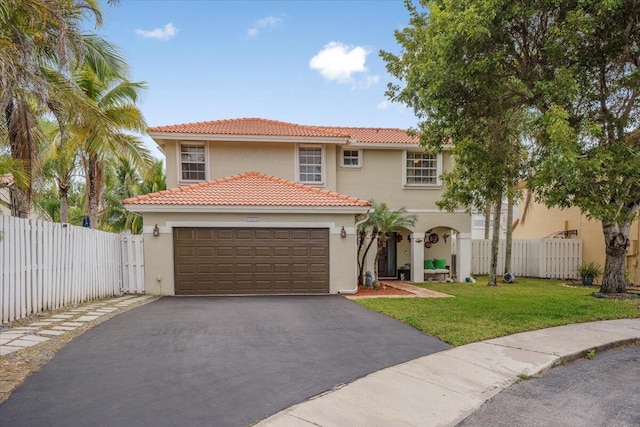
(46, 266)
(543, 258)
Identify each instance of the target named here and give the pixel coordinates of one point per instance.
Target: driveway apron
(219, 361)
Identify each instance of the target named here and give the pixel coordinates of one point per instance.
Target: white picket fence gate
(543, 258)
(46, 266)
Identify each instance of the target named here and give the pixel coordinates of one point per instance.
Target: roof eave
(142, 208)
(246, 138)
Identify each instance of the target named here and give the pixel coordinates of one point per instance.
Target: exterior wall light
(343, 232)
(156, 231)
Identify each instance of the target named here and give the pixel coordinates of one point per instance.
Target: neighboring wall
(542, 222)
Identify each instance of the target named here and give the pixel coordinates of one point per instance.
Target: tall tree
(575, 63)
(463, 101)
(41, 40)
(104, 80)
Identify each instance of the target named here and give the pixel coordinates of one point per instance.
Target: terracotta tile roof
(248, 189)
(263, 127)
(375, 135)
(250, 126)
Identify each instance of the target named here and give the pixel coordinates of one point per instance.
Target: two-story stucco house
(256, 206)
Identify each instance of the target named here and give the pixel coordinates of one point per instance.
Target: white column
(417, 257)
(464, 256)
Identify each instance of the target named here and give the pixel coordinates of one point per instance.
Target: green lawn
(480, 312)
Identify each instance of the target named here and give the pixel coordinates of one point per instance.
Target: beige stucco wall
(542, 222)
(158, 253)
(380, 178)
(226, 158)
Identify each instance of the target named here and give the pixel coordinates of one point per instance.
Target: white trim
(248, 138)
(249, 209)
(360, 158)
(323, 165)
(179, 162)
(170, 225)
(436, 186)
(391, 145)
(239, 224)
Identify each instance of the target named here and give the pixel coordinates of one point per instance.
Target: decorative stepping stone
(50, 332)
(25, 328)
(63, 316)
(63, 328)
(5, 349)
(23, 343)
(95, 313)
(12, 335)
(4, 341)
(78, 310)
(107, 310)
(76, 324)
(86, 318)
(52, 319)
(35, 338)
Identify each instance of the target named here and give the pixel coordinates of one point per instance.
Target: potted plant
(588, 272)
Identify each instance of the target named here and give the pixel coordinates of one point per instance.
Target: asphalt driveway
(211, 361)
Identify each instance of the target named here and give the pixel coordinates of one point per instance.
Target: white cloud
(339, 62)
(262, 24)
(165, 33)
(383, 105)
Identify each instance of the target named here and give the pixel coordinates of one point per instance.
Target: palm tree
(381, 222)
(40, 40)
(124, 181)
(61, 162)
(105, 83)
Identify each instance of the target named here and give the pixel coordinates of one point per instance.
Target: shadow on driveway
(226, 361)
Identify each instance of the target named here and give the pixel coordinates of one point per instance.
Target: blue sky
(306, 62)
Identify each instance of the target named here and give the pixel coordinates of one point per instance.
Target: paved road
(211, 361)
(604, 391)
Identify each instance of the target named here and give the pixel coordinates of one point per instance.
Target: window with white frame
(310, 164)
(192, 162)
(351, 158)
(421, 169)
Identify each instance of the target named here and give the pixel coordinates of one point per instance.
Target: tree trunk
(64, 203)
(487, 220)
(92, 181)
(22, 146)
(374, 233)
(495, 242)
(616, 238)
(509, 242)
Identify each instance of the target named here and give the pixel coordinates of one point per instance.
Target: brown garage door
(227, 261)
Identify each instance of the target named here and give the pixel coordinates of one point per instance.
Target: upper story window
(422, 169)
(310, 165)
(351, 158)
(192, 162)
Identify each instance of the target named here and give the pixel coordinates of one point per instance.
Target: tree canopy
(573, 65)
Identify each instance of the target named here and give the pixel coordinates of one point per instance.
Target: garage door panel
(251, 261)
(262, 251)
(244, 251)
(262, 234)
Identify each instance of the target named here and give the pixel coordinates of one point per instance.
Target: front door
(387, 257)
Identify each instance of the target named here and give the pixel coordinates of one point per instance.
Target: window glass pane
(350, 158)
(192, 162)
(422, 168)
(310, 164)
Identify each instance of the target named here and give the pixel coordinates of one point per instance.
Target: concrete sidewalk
(444, 388)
